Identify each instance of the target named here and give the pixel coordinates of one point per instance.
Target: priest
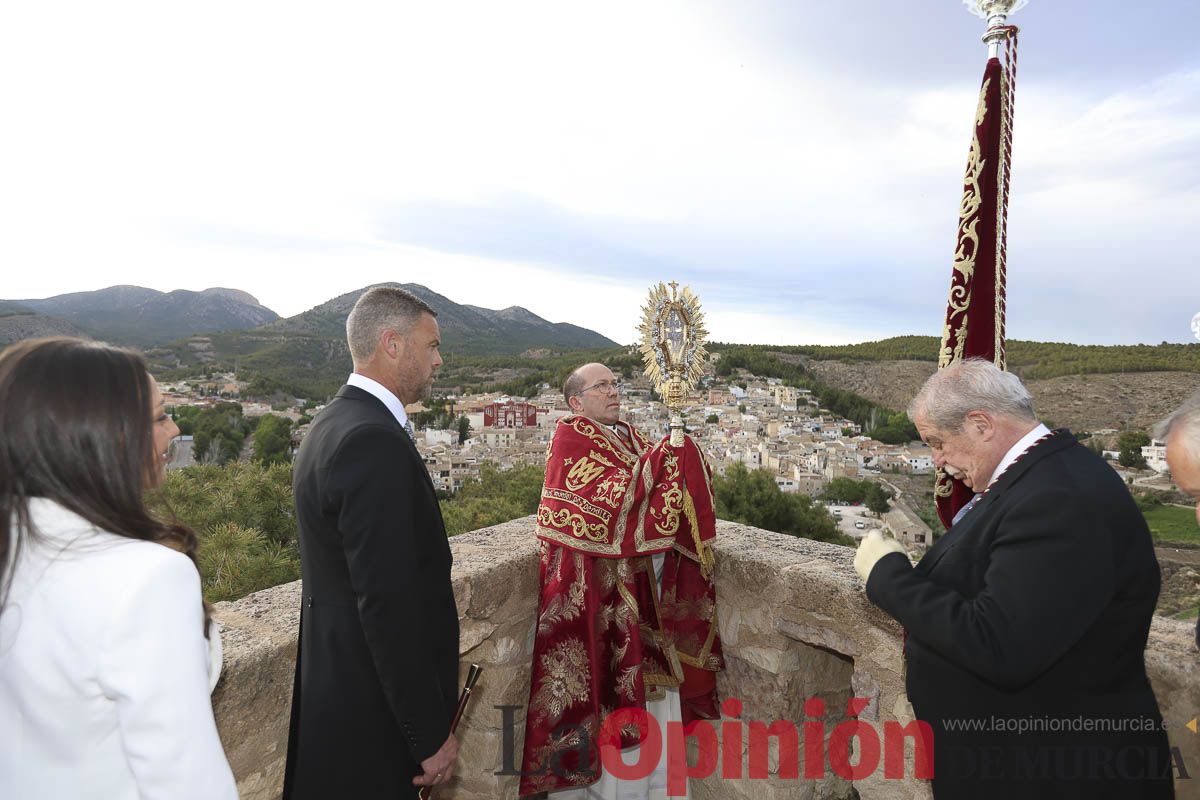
(627, 609)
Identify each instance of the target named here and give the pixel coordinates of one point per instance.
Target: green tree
(754, 498)
(877, 497)
(898, 429)
(252, 495)
(185, 418)
(495, 496)
(845, 490)
(236, 561)
(464, 429)
(218, 433)
(243, 515)
(712, 419)
(462, 515)
(273, 440)
(1129, 445)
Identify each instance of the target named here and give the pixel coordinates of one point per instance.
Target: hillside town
(758, 422)
(761, 423)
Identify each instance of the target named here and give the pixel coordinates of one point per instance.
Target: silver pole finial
(996, 13)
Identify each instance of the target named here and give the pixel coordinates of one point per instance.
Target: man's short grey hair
(573, 384)
(974, 384)
(381, 308)
(1184, 421)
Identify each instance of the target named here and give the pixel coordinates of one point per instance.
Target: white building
(1155, 454)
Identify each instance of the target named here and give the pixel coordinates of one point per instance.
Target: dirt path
(1179, 555)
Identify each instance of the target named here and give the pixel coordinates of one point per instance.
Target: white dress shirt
(380, 391)
(1015, 452)
(104, 670)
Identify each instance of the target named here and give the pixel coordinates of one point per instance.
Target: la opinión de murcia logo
(727, 754)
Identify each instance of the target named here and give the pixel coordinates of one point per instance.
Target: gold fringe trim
(702, 550)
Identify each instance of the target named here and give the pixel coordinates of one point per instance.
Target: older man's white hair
(381, 308)
(974, 384)
(1184, 421)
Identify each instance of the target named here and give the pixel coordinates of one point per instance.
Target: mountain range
(182, 331)
(464, 328)
(132, 315)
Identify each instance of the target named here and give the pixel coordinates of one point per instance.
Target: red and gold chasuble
(606, 639)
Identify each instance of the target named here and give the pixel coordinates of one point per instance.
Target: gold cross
(674, 285)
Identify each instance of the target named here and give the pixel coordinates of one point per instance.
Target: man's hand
(439, 767)
(872, 548)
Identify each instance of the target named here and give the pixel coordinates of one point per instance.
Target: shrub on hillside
(244, 517)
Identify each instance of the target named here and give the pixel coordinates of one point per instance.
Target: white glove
(872, 548)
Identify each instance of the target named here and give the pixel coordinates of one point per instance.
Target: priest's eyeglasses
(605, 387)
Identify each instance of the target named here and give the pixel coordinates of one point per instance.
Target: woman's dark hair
(76, 428)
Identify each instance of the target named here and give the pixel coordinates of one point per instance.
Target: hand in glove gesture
(872, 548)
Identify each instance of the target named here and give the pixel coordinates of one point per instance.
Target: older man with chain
(1026, 622)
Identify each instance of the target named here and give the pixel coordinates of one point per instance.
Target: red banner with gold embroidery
(974, 325)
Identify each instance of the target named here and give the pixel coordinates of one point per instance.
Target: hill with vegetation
(306, 355)
(19, 322)
(11, 309)
(1083, 387)
(141, 317)
(1030, 360)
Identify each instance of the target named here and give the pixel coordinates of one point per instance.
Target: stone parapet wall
(795, 625)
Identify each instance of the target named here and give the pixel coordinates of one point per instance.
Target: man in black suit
(1181, 432)
(377, 667)
(1026, 622)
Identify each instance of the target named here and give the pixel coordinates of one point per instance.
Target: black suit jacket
(377, 666)
(1036, 607)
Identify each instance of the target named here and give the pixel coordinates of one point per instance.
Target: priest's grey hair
(381, 308)
(974, 384)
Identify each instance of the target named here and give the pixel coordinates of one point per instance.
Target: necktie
(962, 512)
(408, 428)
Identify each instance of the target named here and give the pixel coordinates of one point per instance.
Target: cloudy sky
(797, 162)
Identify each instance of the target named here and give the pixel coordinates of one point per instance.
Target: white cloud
(254, 145)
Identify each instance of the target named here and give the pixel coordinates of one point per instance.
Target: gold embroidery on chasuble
(671, 509)
(626, 685)
(627, 505)
(576, 500)
(575, 524)
(591, 477)
(586, 470)
(567, 606)
(570, 739)
(565, 681)
(601, 439)
(610, 490)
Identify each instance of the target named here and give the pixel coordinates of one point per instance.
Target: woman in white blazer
(104, 660)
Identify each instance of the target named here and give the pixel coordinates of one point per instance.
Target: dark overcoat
(377, 666)
(1026, 625)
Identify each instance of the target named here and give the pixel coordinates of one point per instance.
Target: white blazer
(104, 671)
